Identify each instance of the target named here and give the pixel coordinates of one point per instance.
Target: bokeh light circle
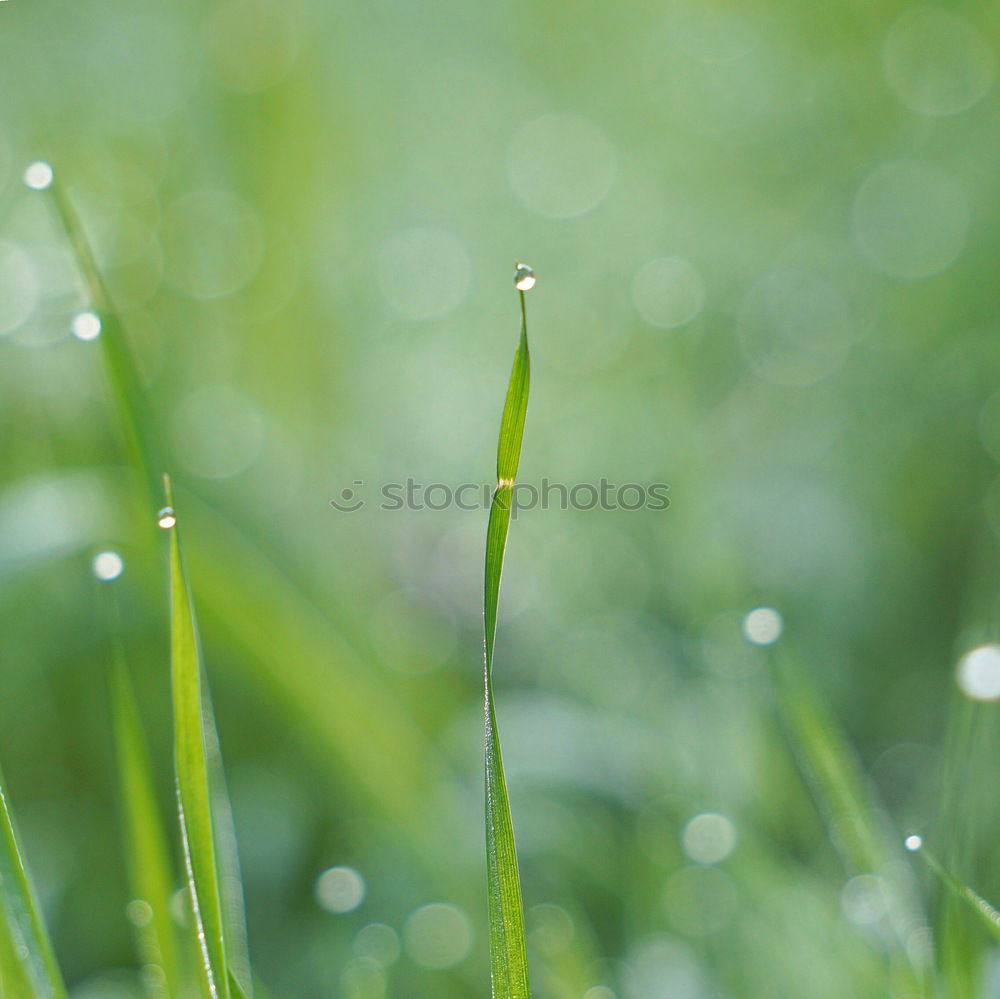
(437, 935)
(910, 219)
(668, 292)
(561, 165)
(936, 62)
(978, 673)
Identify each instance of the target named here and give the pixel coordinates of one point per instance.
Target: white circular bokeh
(910, 219)
(936, 62)
(107, 565)
(340, 889)
(978, 673)
(763, 626)
(668, 292)
(561, 165)
(709, 838)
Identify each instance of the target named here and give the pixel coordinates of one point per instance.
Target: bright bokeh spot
(107, 565)
(86, 326)
(763, 626)
(39, 175)
(913, 842)
(979, 673)
(709, 838)
(340, 889)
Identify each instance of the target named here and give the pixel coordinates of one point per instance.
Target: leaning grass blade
(848, 803)
(989, 916)
(150, 869)
(193, 795)
(508, 959)
(127, 384)
(27, 961)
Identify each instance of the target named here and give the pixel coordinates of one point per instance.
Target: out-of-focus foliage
(765, 235)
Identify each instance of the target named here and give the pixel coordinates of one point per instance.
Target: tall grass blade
(27, 962)
(508, 957)
(128, 386)
(194, 800)
(150, 869)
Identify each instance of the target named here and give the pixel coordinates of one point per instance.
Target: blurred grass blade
(150, 868)
(234, 921)
(508, 957)
(128, 386)
(858, 825)
(193, 793)
(27, 961)
(989, 917)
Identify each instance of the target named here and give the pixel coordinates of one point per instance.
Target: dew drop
(524, 277)
(166, 518)
(39, 176)
(913, 842)
(86, 326)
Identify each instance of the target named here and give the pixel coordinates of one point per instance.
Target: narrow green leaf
(150, 869)
(128, 387)
(989, 917)
(194, 800)
(27, 961)
(860, 825)
(508, 957)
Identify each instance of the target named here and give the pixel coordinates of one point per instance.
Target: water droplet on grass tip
(166, 518)
(39, 176)
(524, 277)
(86, 326)
(913, 842)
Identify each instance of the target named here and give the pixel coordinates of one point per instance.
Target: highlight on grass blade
(194, 800)
(28, 966)
(508, 957)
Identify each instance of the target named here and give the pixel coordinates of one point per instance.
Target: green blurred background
(765, 236)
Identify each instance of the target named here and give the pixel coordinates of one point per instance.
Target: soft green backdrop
(766, 240)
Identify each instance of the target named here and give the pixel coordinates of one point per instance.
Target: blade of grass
(150, 869)
(132, 399)
(27, 961)
(194, 802)
(508, 957)
(831, 767)
(989, 917)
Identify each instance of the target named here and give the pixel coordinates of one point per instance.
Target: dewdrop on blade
(524, 277)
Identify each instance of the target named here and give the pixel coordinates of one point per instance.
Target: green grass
(508, 958)
(339, 715)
